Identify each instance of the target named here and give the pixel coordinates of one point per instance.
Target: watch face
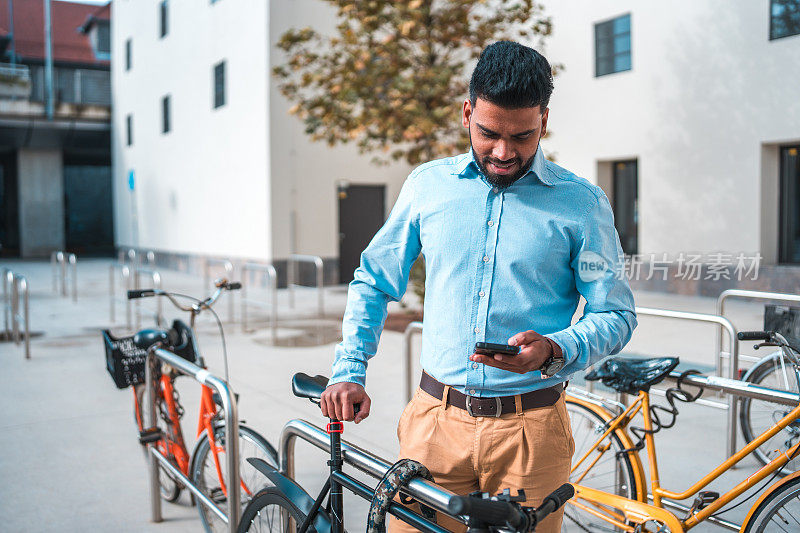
(554, 366)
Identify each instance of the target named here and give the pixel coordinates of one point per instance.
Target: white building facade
(686, 113)
(692, 109)
(232, 174)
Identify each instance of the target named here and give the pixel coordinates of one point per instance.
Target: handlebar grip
(488, 511)
(140, 293)
(754, 335)
(554, 501)
(234, 286)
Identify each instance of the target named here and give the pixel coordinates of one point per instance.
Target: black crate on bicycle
(125, 361)
(785, 320)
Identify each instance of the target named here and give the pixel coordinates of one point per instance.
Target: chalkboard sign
(124, 361)
(785, 320)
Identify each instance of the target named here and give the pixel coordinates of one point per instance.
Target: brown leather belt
(491, 406)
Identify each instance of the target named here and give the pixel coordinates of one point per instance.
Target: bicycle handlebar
(495, 513)
(754, 335)
(490, 512)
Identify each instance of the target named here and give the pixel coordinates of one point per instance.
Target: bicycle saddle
(305, 386)
(148, 337)
(633, 375)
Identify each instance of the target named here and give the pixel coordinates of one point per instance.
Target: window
(162, 8)
(103, 37)
(129, 130)
(784, 18)
(612, 46)
(789, 233)
(128, 54)
(165, 114)
(625, 196)
(219, 84)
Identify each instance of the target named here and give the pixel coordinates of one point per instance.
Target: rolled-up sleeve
(382, 276)
(609, 316)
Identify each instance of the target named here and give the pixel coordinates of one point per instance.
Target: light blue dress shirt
(498, 261)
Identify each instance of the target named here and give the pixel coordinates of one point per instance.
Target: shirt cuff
(349, 371)
(565, 343)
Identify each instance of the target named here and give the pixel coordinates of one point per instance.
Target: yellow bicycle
(611, 491)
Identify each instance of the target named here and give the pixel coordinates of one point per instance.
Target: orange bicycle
(611, 492)
(125, 361)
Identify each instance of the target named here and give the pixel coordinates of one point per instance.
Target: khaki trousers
(530, 450)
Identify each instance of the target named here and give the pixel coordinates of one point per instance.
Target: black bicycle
(287, 507)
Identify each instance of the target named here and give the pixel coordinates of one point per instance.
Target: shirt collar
(468, 168)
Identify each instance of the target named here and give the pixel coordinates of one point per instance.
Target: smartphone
(488, 348)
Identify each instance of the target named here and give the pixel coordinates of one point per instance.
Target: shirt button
(477, 330)
(485, 258)
(481, 294)
(472, 392)
(490, 223)
(474, 365)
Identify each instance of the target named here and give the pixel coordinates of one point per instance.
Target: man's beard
(501, 180)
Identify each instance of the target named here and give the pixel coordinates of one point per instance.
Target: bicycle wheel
(270, 510)
(757, 416)
(170, 487)
(779, 512)
(204, 472)
(612, 472)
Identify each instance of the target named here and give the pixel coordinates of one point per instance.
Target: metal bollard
(21, 285)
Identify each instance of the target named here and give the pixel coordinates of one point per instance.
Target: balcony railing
(15, 81)
(73, 86)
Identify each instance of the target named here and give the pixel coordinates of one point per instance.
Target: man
(511, 241)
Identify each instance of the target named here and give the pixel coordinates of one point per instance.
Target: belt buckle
(496, 401)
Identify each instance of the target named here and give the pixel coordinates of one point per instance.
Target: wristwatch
(552, 365)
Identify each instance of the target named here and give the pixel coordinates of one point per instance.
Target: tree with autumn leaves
(393, 75)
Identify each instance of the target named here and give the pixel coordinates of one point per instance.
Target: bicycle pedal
(150, 435)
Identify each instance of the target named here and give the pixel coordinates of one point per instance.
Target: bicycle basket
(124, 361)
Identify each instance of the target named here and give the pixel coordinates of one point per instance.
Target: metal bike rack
(125, 272)
(411, 329)
(272, 283)
(291, 278)
(420, 489)
(203, 377)
(155, 277)
(733, 365)
(228, 266)
(58, 265)
(16, 317)
(745, 295)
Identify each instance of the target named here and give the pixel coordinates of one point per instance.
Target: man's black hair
(513, 76)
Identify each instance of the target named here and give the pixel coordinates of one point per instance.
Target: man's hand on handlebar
(337, 402)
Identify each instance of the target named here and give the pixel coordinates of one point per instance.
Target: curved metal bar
(204, 377)
(73, 262)
(411, 329)
(746, 295)
(424, 491)
(733, 361)
(291, 276)
(156, 278)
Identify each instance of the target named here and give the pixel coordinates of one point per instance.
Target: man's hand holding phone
(534, 350)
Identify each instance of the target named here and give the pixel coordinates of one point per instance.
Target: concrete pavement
(71, 460)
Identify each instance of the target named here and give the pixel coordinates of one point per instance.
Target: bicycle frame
(598, 502)
(338, 480)
(177, 448)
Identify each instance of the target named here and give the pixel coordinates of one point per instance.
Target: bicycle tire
(780, 511)
(586, 423)
(256, 518)
(204, 473)
(170, 487)
(757, 416)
